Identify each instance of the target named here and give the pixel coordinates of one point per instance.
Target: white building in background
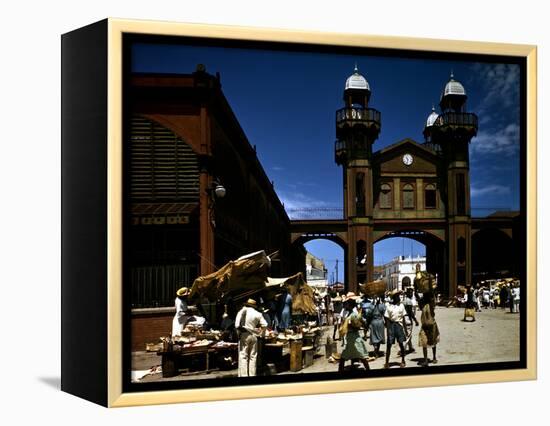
(316, 273)
(400, 272)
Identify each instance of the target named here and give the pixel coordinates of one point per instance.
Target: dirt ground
(493, 337)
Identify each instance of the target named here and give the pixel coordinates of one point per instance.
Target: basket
(374, 288)
(424, 284)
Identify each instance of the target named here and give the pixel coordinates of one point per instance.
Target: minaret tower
(452, 131)
(357, 127)
(428, 130)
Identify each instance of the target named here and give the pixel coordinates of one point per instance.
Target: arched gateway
(410, 189)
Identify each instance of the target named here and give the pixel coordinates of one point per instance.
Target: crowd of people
(505, 295)
(381, 321)
(385, 320)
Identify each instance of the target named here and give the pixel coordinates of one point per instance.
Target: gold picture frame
(115, 30)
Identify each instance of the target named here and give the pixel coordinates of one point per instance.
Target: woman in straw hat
(354, 347)
(178, 322)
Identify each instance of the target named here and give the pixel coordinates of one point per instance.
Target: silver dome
(431, 118)
(357, 81)
(453, 87)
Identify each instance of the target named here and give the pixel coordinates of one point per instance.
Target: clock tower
(450, 133)
(357, 128)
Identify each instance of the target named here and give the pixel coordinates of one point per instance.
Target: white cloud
(503, 141)
(299, 200)
(501, 85)
(277, 168)
(489, 189)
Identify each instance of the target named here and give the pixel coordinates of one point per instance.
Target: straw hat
(349, 295)
(251, 302)
(184, 291)
(395, 292)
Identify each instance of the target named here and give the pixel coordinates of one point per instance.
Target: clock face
(407, 159)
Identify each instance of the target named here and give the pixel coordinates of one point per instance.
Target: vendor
(285, 310)
(194, 318)
(181, 310)
(250, 324)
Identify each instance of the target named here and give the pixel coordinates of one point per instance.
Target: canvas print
(296, 213)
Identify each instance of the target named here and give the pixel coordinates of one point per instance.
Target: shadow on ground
(54, 382)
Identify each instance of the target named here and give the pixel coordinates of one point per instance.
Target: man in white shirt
(515, 299)
(395, 317)
(250, 323)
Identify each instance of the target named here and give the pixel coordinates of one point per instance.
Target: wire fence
(316, 213)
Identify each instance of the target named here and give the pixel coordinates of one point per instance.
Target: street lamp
(216, 191)
(219, 190)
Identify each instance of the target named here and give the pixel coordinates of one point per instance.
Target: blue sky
(286, 102)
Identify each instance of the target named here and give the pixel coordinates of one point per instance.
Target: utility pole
(336, 267)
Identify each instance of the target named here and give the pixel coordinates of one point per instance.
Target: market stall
(197, 351)
(202, 350)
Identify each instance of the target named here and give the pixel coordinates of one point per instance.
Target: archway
(330, 251)
(492, 255)
(396, 255)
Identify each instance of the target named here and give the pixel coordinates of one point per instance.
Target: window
(460, 194)
(408, 196)
(361, 252)
(385, 197)
(162, 166)
(430, 197)
(360, 195)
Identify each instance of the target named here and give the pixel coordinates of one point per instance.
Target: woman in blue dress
(377, 326)
(285, 310)
(354, 344)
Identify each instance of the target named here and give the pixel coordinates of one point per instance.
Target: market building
(316, 273)
(197, 195)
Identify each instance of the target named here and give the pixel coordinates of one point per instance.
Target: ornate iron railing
(364, 115)
(463, 119)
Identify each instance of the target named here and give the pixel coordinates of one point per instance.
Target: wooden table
(172, 359)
